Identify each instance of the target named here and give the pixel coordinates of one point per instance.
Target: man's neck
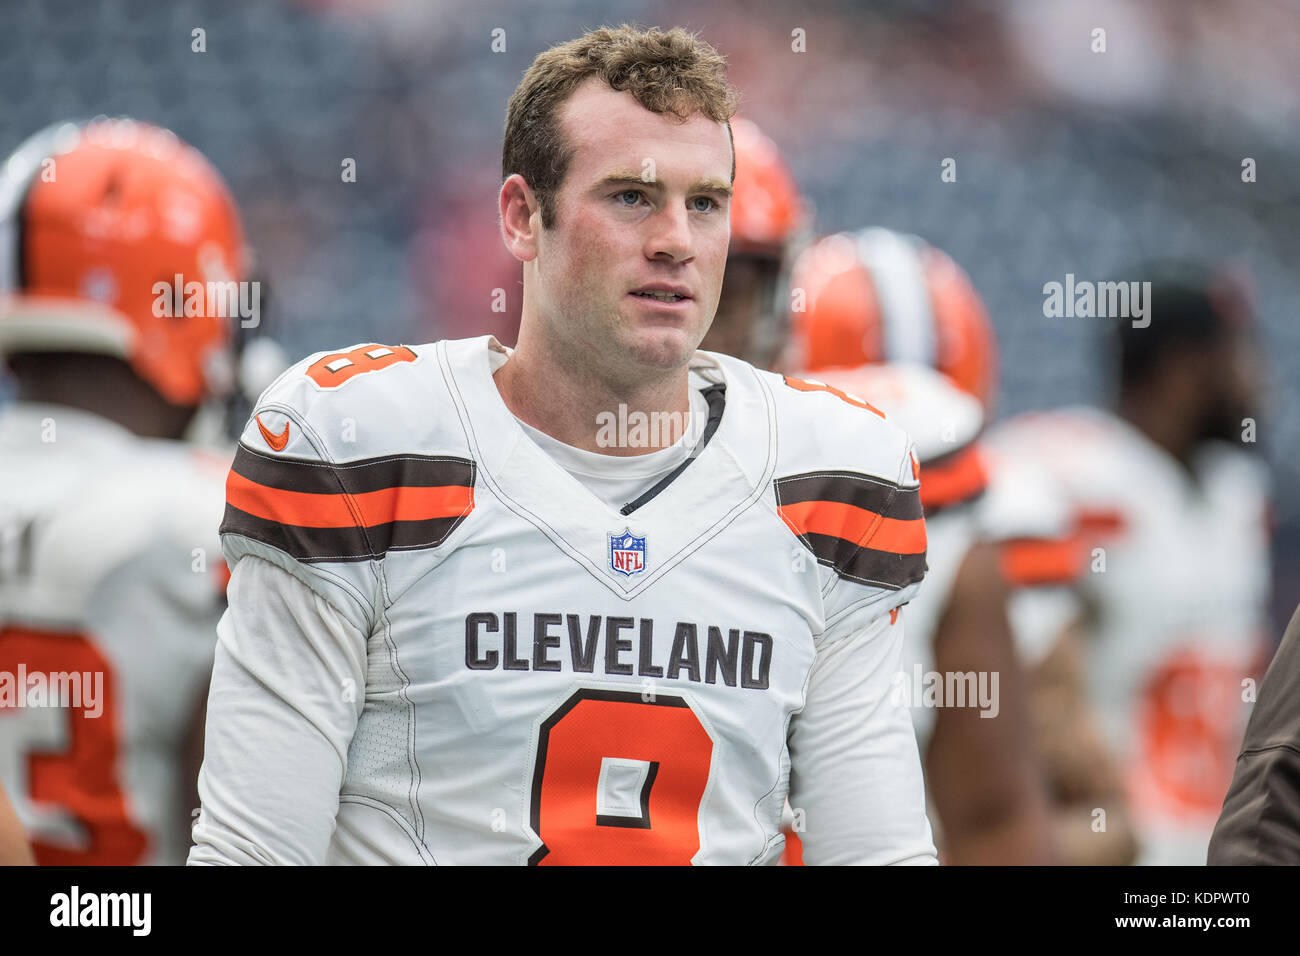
(102, 385)
(583, 410)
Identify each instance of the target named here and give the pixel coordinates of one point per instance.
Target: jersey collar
(730, 475)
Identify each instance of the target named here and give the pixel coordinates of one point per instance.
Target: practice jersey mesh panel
(379, 758)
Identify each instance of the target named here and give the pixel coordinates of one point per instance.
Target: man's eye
(635, 195)
(708, 204)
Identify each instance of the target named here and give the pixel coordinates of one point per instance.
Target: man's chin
(663, 348)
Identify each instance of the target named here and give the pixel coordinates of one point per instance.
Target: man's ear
(520, 218)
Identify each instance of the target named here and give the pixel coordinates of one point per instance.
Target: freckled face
(629, 274)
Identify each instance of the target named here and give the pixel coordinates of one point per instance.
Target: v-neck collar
(729, 475)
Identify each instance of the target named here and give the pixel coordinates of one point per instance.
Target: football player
(599, 599)
(770, 222)
(111, 576)
(893, 319)
(1169, 535)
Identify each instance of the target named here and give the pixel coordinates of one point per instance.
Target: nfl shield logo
(626, 553)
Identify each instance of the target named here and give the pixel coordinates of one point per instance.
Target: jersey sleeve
(293, 501)
(855, 773)
(848, 485)
(867, 532)
(324, 483)
(288, 686)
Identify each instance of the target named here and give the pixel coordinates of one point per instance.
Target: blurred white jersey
(450, 651)
(1172, 580)
(944, 424)
(111, 582)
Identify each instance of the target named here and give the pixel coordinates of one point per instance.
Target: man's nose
(671, 237)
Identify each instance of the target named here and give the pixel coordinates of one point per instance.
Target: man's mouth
(662, 296)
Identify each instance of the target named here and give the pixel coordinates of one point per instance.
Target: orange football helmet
(769, 223)
(767, 213)
(92, 217)
(880, 296)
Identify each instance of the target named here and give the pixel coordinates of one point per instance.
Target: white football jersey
(448, 650)
(111, 583)
(1173, 578)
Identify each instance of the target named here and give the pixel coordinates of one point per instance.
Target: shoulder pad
(349, 455)
(847, 484)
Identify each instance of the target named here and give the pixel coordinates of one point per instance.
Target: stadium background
(1068, 161)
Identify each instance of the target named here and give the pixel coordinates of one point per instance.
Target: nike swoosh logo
(277, 442)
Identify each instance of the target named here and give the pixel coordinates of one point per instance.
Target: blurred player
(1169, 537)
(890, 318)
(111, 576)
(769, 225)
(469, 624)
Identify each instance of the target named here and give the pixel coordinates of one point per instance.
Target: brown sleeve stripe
(868, 529)
(860, 491)
(311, 545)
(866, 565)
(358, 477)
(319, 512)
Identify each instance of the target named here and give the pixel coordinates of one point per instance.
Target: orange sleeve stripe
(1031, 562)
(957, 480)
(1100, 521)
(314, 510)
(838, 520)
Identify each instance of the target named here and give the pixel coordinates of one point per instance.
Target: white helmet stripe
(16, 177)
(898, 274)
